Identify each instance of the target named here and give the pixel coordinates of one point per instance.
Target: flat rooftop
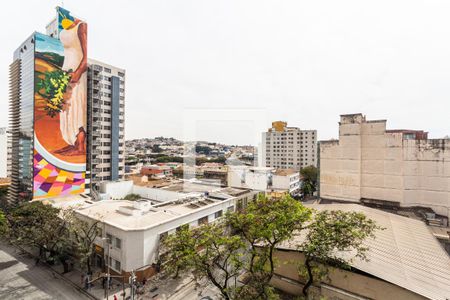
(285, 172)
(113, 212)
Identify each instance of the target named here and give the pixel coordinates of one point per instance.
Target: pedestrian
(115, 297)
(144, 281)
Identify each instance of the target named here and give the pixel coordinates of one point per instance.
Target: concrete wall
(341, 284)
(369, 163)
(290, 183)
(117, 189)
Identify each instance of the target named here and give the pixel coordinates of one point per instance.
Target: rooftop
(285, 172)
(406, 253)
(143, 214)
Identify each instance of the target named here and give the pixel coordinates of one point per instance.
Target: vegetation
(243, 245)
(220, 258)
(57, 234)
(329, 233)
(132, 197)
(309, 180)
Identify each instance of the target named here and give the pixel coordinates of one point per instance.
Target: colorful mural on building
(60, 104)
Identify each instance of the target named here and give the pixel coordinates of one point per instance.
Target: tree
(42, 226)
(208, 252)
(3, 224)
(132, 197)
(83, 234)
(156, 148)
(264, 224)
(309, 180)
(328, 235)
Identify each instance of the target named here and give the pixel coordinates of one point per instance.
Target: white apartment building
(130, 231)
(286, 147)
(264, 179)
(389, 167)
(286, 179)
(106, 125)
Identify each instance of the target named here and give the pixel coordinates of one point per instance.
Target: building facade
(4, 152)
(393, 167)
(265, 179)
(106, 123)
(66, 114)
(286, 147)
(131, 231)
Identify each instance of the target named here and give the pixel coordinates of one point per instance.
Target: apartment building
(106, 123)
(4, 152)
(286, 147)
(371, 164)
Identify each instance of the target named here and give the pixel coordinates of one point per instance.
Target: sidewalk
(96, 290)
(74, 278)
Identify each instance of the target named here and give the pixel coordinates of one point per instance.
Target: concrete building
(286, 147)
(48, 156)
(21, 106)
(4, 152)
(264, 179)
(156, 171)
(106, 123)
(405, 262)
(287, 179)
(134, 228)
(389, 167)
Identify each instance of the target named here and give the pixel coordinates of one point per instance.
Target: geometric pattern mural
(50, 181)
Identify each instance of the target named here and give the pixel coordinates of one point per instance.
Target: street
(21, 279)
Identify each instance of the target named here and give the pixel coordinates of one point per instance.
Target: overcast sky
(305, 62)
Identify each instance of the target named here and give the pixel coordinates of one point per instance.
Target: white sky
(301, 61)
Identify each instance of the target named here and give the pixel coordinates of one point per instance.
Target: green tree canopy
(328, 235)
(309, 180)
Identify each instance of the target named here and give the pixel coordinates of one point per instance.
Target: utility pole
(132, 281)
(108, 276)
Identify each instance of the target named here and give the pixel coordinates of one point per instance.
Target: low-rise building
(373, 165)
(156, 171)
(130, 231)
(265, 179)
(405, 262)
(286, 179)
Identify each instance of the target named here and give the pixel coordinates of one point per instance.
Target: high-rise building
(106, 108)
(48, 111)
(396, 168)
(3, 152)
(286, 147)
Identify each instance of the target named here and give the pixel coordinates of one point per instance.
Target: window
(121, 74)
(99, 232)
(203, 220)
(107, 70)
(230, 208)
(118, 243)
(108, 238)
(117, 265)
(218, 214)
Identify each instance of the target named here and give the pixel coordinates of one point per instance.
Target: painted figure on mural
(72, 117)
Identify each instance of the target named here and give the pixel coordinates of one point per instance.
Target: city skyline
(242, 56)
